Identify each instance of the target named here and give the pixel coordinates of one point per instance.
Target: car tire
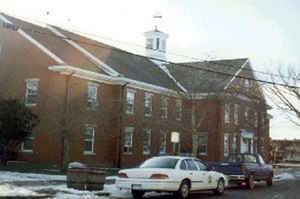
(250, 182)
(136, 194)
(184, 190)
(220, 187)
(269, 181)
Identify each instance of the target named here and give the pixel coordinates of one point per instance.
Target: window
(147, 141)
(130, 101)
(164, 108)
(227, 113)
(201, 166)
(160, 162)
(92, 94)
(128, 140)
(226, 144)
(178, 109)
(27, 145)
(183, 165)
(256, 119)
(163, 143)
(202, 144)
(249, 158)
(149, 44)
(236, 114)
(148, 104)
(89, 139)
(246, 116)
(247, 83)
(31, 95)
(157, 43)
(191, 165)
(163, 45)
(234, 145)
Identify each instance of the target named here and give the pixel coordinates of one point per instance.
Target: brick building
(102, 105)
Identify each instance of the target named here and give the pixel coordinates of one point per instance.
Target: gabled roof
(207, 76)
(128, 65)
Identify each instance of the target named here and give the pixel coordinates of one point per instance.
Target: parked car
(245, 168)
(180, 175)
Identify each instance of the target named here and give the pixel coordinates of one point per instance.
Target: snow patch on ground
(7, 176)
(11, 190)
(284, 176)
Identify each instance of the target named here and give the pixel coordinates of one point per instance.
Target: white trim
(97, 77)
(94, 59)
(36, 43)
(236, 74)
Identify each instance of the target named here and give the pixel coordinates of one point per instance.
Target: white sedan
(180, 175)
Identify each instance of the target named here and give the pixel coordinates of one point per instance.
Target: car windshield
(167, 163)
(235, 158)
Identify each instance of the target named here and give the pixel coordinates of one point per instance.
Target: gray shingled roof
(130, 66)
(196, 78)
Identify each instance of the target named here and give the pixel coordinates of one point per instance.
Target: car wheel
(250, 182)
(137, 194)
(270, 181)
(220, 187)
(184, 190)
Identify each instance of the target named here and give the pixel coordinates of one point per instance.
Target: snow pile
(9, 190)
(284, 176)
(77, 165)
(6, 176)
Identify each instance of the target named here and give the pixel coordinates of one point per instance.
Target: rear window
(235, 158)
(166, 163)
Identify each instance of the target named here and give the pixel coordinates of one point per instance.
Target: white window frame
(164, 107)
(203, 135)
(27, 150)
(149, 43)
(129, 131)
(130, 99)
(148, 104)
(163, 143)
(32, 90)
(92, 140)
(226, 144)
(236, 114)
(234, 144)
(92, 94)
(246, 114)
(178, 109)
(227, 113)
(147, 142)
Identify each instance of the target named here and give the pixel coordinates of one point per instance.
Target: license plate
(136, 186)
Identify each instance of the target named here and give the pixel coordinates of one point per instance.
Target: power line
(15, 28)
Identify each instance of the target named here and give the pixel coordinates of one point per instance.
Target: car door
(205, 175)
(192, 172)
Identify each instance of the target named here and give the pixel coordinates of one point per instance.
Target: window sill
(89, 153)
(30, 105)
(129, 113)
(148, 115)
(146, 154)
(203, 154)
(27, 151)
(127, 153)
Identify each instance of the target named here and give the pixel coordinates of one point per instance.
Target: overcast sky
(265, 31)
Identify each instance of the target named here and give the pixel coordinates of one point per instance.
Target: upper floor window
(27, 145)
(149, 44)
(31, 95)
(148, 104)
(92, 94)
(227, 113)
(128, 140)
(178, 109)
(202, 144)
(255, 119)
(236, 114)
(164, 107)
(147, 141)
(157, 43)
(246, 116)
(246, 83)
(89, 139)
(130, 101)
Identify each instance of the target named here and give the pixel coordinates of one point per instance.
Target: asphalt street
(285, 189)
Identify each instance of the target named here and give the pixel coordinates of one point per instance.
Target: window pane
(160, 163)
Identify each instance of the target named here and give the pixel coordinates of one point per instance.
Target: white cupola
(156, 43)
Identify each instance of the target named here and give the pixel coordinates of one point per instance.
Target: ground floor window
(147, 141)
(163, 143)
(202, 144)
(128, 140)
(226, 144)
(89, 139)
(27, 145)
(234, 144)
